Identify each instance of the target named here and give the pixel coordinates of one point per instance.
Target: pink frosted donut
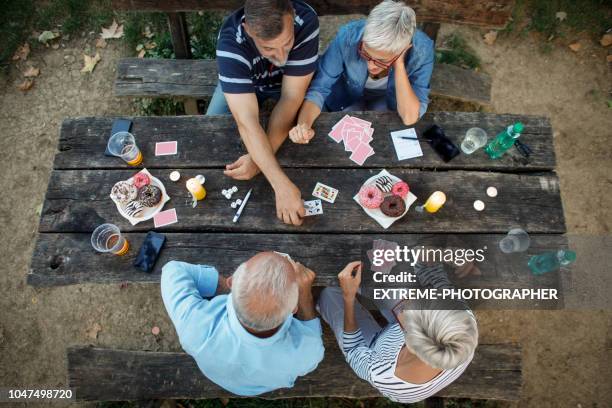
(370, 196)
(141, 180)
(400, 189)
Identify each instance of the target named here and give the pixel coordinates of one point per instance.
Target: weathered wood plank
(493, 14)
(213, 142)
(98, 374)
(65, 259)
(177, 22)
(149, 77)
(78, 201)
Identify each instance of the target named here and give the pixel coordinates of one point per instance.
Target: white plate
(148, 212)
(384, 220)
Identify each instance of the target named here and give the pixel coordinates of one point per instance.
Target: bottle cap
(569, 256)
(518, 127)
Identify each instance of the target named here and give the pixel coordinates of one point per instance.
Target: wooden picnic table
(78, 200)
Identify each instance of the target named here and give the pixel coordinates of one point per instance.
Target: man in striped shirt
(268, 49)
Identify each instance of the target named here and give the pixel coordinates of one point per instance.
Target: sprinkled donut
(393, 206)
(141, 180)
(400, 189)
(149, 195)
(124, 192)
(370, 196)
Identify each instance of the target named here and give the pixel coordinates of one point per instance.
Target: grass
(455, 51)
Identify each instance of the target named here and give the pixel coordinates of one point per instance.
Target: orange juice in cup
(108, 239)
(123, 144)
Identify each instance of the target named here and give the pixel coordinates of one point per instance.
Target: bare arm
(407, 102)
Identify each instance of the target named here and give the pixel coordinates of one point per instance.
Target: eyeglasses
(378, 63)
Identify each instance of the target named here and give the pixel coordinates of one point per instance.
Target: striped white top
(376, 364)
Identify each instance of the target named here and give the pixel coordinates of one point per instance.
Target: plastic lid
(569, 256)
(518, 127)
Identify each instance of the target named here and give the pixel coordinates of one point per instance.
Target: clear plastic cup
(123, 144)
(517, 240)
(108, 239)
(475, 138)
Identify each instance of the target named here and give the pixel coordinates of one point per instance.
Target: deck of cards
(356, 134)
(166, 148)
(313, 207)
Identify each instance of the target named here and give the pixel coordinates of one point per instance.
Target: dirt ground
(567, 354)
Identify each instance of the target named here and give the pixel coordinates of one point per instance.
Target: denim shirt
(342, 73)
(209, 330)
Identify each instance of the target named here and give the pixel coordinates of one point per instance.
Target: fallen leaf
(34, 300)
(101, 43)
(123, 285)
(606, 40)
(22, 52)
(113, 31)
(561, 15)
(90, 62)
(490, 37)
(139, 47)
(31, 72)
(150, 45)
(93, 331)
(142, 53)
(575, 46)
(55, 46)
(155, 330)
(26, 85)
(47, 36)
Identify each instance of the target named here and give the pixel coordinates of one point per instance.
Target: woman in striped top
(406, 364)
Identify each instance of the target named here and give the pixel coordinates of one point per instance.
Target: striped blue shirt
(376, 364)
(242, 69)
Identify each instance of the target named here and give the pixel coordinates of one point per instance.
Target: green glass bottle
(504, 141)
(550, 261)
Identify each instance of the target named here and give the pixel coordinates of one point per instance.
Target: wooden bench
(142, 78)
(98, 374)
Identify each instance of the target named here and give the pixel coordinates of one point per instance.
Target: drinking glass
(108, 239)
(517, 240)
(123, 144)
(475, 138)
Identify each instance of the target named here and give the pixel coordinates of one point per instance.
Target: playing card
(351, 140)
(361, 153)
(336, 132)
(164, 218)
(325, 193)
(313, 207)
(360, 122)
(165, 148)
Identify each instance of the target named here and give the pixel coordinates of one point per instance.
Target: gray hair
(442, 339)
(390, 27)
(265, 296)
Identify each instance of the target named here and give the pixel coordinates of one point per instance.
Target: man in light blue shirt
(247, 340)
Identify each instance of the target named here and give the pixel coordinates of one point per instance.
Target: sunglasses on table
(380, 64)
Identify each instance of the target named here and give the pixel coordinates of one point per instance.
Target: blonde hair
(442, 339)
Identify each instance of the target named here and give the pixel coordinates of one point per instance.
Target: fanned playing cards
(356, 134)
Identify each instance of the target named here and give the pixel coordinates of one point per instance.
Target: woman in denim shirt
(382, 63)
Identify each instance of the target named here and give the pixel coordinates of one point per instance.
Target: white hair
(390, 27)
(264, 297)
(442, 339)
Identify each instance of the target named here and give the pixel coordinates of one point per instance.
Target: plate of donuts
(140, 197)
(385, 197)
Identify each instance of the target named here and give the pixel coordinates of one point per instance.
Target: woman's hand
(348, 282)
(301, 134)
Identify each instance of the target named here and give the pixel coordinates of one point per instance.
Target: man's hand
(348, 282)
(223, 286)
(305, 278)
(301, 134)
(289, 204)
(242, 169)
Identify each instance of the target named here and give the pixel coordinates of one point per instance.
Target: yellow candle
(196, 188)
(435, 201)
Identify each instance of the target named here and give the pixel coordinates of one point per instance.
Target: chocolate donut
(124, 192)
(149, 195)
(393, 206)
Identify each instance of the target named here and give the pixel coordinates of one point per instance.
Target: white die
(234, 205)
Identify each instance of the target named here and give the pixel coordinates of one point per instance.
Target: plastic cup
(475, 138)
(517, 240)
(107, 238)
(123, 144)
